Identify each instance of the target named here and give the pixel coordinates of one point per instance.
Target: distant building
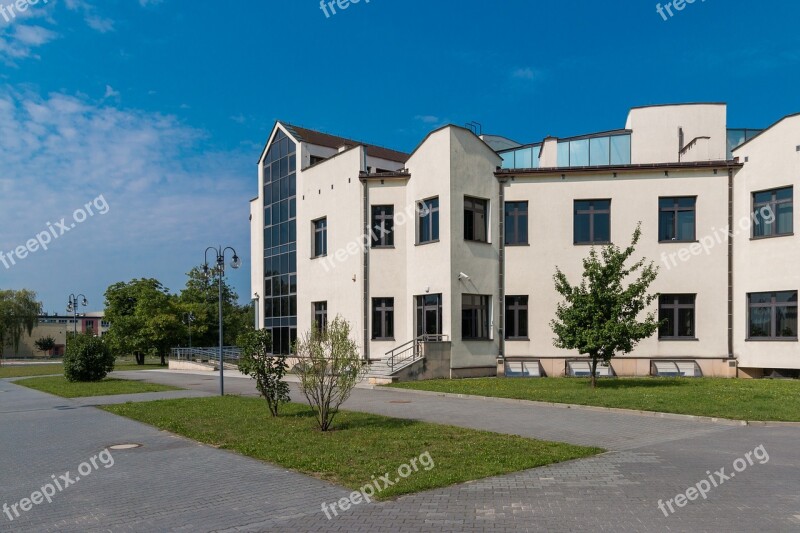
(451, 250)
(56, 326)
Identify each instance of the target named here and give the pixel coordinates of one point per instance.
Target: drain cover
(124, 446)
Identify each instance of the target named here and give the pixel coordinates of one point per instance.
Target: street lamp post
(72, 307)
(219, 269)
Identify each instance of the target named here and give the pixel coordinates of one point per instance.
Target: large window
(280, 242)
(676, 312)
(516, 223)
(475, 219)
(773, 212)
(516, 317)
(677, 219)
(428, 220)
(382, 226)
(594, 151)
(320, 316)
(592, 223)
(383, 318)
(772, 316)
(474, 317)
(320, 237)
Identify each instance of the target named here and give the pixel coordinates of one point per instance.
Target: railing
(230, 354)
(411, 351)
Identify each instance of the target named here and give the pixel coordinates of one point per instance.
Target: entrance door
(429, 316)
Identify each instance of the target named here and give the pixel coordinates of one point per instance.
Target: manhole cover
(400, 401)
(124, 446)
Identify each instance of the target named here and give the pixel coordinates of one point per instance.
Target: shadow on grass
(371, 422)
(655, 383)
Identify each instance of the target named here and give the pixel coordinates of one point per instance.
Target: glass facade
(526, 157)
(738, 137)
(280, 243)
(595, 151)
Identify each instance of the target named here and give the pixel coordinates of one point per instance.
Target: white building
(443, 259)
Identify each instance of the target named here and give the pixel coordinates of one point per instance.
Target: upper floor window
(475, 317)
(772, 315)
(320, 316)
(475, 219)
(516, 317)
(676, 312)
(516, 223)
(677, 219)
(382, 226)
(773, 212)
(383, 318)
(320, 237)
(592, 224)
(428, 220)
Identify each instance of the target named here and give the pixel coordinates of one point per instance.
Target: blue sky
(162, 106)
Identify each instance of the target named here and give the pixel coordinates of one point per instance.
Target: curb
(617, 410)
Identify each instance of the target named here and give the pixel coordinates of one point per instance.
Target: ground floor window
(383, 318)
(676, 312)
(475, 317)
(320, 315)
(772, 315)
(516, 317)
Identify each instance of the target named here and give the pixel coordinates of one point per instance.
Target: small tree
(266, 368)
(599, 316)
(88, 358)
(45, 344)
(329, 367)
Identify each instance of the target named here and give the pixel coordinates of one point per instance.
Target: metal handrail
(229, 353)
(414, 346)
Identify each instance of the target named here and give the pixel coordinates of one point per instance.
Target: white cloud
(110, 92)
(524, 73)
(427, 119)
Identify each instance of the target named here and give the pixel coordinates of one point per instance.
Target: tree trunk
(163, 362)
(594, 371)
(139, 358)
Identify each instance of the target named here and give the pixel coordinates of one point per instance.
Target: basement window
(673, 369)
(524, 369)
(583, 369)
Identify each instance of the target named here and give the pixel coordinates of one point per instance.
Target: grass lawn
(30, 370)
(362, 446)
(737, 399)
(59, 386)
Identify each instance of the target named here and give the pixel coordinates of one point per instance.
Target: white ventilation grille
(583, 369)
(523, 369)
(686, 369)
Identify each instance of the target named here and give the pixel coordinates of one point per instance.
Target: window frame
(592, 212)
(773, 203)
(485, 303)
(675, 308)
(386, 318)
(320, 310)
(516, 226)
(381, 237)
(315, 230)
(675, 210)
(434, 214)
(472, 205)
(517, 312)
(772, 306)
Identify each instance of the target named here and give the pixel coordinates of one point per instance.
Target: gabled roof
(332, 141)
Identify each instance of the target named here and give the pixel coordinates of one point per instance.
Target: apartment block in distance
(442, 260)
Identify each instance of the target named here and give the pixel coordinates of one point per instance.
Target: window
(773, 213)
(516, 317)
(320, 237)
(320, 316)
(383, 318)
(516, 223)
(382, 226)
(592, 222)
(475, 219)
(677, 219)
(594, 151)
(772, 316)
(676, 312)
(428, 220)
(474, 317)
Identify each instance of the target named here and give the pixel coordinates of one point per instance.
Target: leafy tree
(330, 367)
(599, 317)
(19, 313)
(45, 344)
(266, 368)
(144, 317)
(88, 358)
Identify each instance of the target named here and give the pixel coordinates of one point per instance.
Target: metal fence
(230, 354)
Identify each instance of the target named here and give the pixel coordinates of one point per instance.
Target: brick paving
(173, 484)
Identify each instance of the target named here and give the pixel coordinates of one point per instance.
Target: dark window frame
(675, 209)
(674, 307)
(592, 212)
(319, 226)
(320, 317)
(516, 310)
(381, 216)
(773, 205)
(519, 217)
(773, 306)
(471, 312)
(427, 211)
(473, 208)
(383, 311)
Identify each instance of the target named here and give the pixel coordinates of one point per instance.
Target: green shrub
(268, 369)
(87, 359)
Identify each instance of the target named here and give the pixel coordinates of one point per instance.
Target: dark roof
(678, 104)
(332, 141)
